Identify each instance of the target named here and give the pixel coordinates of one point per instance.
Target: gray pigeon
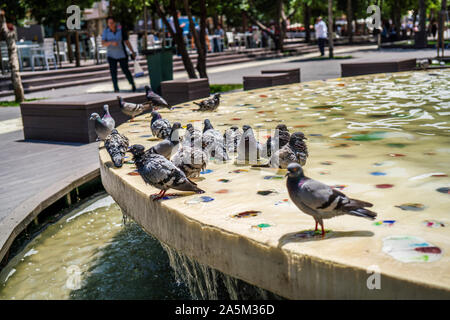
(160, 172)
(160, 127)
(275, 143)
(193, 137)
(107, 118)
(166, 147)
(232, 137)
(294, 151)
(190, 160)
(210, 104)
(156, 101)
(321, 201)
(214, 144)
(249, 149)
(101, 127)
(132, 109)
(117, 145)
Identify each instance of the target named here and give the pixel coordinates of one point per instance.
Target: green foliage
(15, 103)
(14, 10)
(213, 88)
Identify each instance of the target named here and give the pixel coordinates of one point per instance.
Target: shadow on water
(135, 265)
(132, 266)
(311, 235)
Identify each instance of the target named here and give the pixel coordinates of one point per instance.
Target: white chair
(133, 38)
(230, 38)
(62, 45)
(101, 50)
(5, 56)
(46, 53)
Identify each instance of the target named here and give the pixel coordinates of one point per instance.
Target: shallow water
(89, 254)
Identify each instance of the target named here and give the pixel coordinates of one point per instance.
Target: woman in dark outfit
(114, 39)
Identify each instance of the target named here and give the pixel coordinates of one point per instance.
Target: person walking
(321, 34)
(115, 39)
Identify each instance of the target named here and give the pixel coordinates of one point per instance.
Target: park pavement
(30, 167)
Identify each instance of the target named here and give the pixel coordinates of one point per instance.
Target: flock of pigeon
(173, 162)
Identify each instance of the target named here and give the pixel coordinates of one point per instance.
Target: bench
(179, 91)
(266, 80)
(67, 118)
(370, 67)
(293, 73)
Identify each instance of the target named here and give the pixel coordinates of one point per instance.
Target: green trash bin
(160, 66)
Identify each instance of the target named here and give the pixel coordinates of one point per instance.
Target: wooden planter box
(67, 118)
(370, 67)
(179, 91)
(266, 80)
(294, 74)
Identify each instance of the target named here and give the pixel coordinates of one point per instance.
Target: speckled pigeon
(210, 104)
(166, 147)
(294, 151)
(190, 160)
(232, 137)
(214, 142)
(275, 143)
(249, 149)
(160, 127)
(321, 201)
(132, 109)
(117, 145)
(101, 127)
(156, 101)
(193, 137)
(160, 172)
(107, 118)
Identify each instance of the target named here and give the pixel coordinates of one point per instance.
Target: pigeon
(101, 127)
(275, 143)
(213, 142)
(160, 127)
(107, 118)
(165, 148)
(132, 109)
(190, 160)
(232, 137)
(160, 172)
(117, 145)
(249, 149)
(155, 99)
(210, 104)
(321, 201)
(193, 137)
(294, 151)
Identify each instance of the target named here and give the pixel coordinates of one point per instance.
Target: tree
(330, 29)
(10, 37)
(421, 39)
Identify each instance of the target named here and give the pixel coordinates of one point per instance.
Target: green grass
(335, 57)
(224, 87)
(16, 104)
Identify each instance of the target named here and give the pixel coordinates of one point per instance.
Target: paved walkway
(29, 169)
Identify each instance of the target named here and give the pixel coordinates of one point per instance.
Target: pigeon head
(294, 170)
(281, 127)
(217, 95)
(106, 108)
(137, 150)
(95, 116)
(297, 136)
(234, 128)
(175, 134)
(207, 125)
(148, 89)
(114, 131)
(245, 127)
(156, 115)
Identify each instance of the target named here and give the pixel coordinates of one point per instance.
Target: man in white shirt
(321, 34)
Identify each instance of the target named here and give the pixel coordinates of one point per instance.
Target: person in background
(218, 47)
(321, 34)
(114, 38)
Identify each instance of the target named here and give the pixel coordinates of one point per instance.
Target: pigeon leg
(323, 230)
(316, 225)
(160, 195)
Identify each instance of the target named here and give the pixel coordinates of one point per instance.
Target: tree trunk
(442, 18)
(144, 43)
(10, 37)
(349, 21)
(330, 29)
(421, 38)
(177, 36)
(199, 44)
(307, 21)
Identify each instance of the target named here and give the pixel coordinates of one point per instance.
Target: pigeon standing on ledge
(249, 149)
(165, 148)
(117, 145)
(232, 137)
(160, 172)
(155, 100)
(190, 160)
(101, 127)
(321, 201)
(132, 109)
(160, 127)
(193, 137)
(295, 151)
(275, 143)
(214, 142)
(210, 104)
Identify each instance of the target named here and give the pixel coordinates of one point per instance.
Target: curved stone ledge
(333, 268)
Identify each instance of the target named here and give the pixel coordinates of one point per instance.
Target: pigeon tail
(197, 104)
(267, 165)
(362, 212)
(117, 160)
